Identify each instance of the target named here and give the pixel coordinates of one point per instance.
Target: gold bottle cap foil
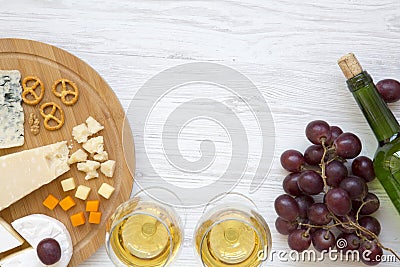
(350, 65)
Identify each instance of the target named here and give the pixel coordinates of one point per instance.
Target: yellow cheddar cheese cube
(50, 202)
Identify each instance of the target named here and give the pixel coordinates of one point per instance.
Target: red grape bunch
(326, 202)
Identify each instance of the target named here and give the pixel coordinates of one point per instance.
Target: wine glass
(144, 231)
(232, 233)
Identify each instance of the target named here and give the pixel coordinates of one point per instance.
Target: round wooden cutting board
(96, 99)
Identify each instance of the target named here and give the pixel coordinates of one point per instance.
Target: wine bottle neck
(379, 117)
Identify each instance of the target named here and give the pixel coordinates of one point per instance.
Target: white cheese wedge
(93, 125)
(28, 170)
(36, 227)
(11, 112)
(9, 238)
(26, 257)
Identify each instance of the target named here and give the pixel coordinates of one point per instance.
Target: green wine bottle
(382, 122)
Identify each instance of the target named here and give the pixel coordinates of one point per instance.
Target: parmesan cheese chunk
(108, 168)
(28, 170)
(77, 156)
(101, 157)
(93, 125)
(89, 167)
(94, 145)
(81, 133)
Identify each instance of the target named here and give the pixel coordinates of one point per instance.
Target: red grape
(335, 172)
(372, 204)
(363, 167)
(323, 240)
(304, 202)
(370, 253)
(389, 89)
(290, 184)
(338, 201)
(355, 186)
(49, 251)
(335, 132)
(285, 227)
(318, 130)
(319, 214)
(347, 145)
(346, 194)
(292, 160)
(347, 228)
(313, 154)
(310, 182)
(352, 242)
(299, 240)
(286, 207)
(370, 223)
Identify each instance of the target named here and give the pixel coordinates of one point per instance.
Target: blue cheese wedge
(11, 112)
(28, 170)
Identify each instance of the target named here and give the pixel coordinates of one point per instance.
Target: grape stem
(350, 225)
(323, 164)
(361, 206)
(329, 155)
(374, 236)
(327, 227)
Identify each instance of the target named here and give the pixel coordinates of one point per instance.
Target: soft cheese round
(26, 257)
(36, 227)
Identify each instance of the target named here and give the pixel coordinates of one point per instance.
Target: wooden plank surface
(287, 48)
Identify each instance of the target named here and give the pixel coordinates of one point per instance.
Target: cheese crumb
(91, 175)
(89, 167)
(108, 168)
(93, 125)
(81, 133)
(77, 156)
(94, 145)
(101, 157)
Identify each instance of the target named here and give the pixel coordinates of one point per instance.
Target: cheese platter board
(62, 151)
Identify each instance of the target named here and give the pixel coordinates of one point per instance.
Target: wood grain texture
(287, 48)
(50, 64)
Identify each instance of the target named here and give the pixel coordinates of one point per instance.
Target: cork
(350, 65)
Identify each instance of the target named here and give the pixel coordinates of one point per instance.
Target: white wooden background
(287, 48)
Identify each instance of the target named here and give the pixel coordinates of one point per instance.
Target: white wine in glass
(232, 234)
(143, 232)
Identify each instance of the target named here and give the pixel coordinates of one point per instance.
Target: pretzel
(30, 90)
(51, 116)
(65, 91)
